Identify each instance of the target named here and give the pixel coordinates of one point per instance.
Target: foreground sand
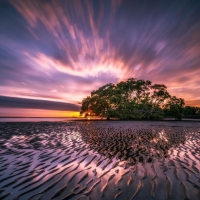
(100, 160)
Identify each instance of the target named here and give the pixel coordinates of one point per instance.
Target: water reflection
(99, 160)
(132, 144)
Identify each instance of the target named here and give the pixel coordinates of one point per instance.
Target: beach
(100, 160)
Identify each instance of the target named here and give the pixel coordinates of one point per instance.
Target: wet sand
(100, 160)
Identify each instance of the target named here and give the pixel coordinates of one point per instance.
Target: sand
(100, 160)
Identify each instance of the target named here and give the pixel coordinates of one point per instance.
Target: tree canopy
(133, 99)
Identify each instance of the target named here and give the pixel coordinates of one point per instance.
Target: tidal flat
(100, 160)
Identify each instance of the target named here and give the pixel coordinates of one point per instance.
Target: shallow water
(37, 119)
(100, 160)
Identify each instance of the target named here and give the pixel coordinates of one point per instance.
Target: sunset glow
(16, 112)
(60, 51)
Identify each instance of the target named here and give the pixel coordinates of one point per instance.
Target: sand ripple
(100, 160)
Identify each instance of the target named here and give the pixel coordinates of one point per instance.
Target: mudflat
(100, 160)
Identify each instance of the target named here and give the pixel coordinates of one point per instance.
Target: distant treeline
(136, 99)
(191, 112)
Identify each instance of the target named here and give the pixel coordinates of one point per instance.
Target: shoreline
(61, 119)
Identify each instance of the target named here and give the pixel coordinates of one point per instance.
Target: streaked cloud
(13, 102)
(63, 50)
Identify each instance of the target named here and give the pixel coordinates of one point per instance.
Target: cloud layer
(13, 102)
(62, 50)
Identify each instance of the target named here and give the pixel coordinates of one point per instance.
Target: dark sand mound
(100, 160)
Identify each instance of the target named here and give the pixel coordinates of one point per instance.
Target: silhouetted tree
(132, 99)
(191, 112)
(174, 107)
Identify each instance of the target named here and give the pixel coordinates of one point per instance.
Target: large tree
(174, 107)
(131, 99)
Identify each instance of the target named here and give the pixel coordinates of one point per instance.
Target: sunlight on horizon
(18, 112)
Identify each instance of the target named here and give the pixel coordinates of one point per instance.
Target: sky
(55, 53)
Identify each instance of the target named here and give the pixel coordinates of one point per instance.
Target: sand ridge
(100, 160)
